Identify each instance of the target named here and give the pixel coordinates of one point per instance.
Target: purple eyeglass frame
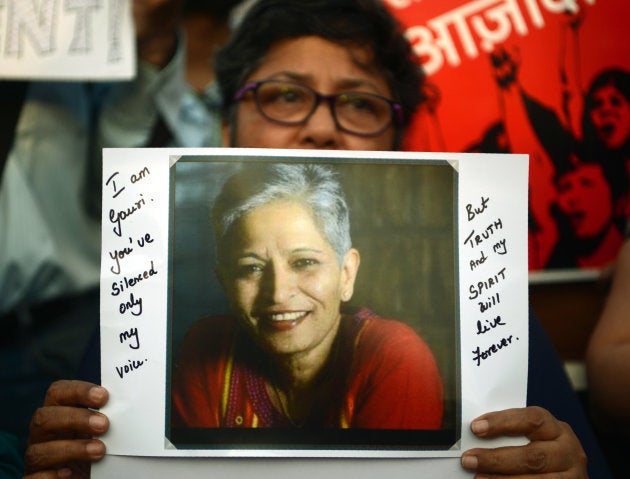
(397, 112)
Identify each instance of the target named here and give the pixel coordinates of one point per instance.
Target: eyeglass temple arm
(244, 89)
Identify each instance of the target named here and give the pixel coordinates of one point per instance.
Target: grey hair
(313, 185)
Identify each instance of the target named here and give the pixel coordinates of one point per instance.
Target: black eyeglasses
(291, 103)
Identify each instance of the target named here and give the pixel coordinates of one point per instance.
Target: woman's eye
(247, 270)
(303, 263)
(597, 103)
(357, 102)
(564, 186)
(288, 94)
(362, 104)
(282, 93)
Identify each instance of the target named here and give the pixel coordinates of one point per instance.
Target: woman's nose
(320, 129)
(279, 284)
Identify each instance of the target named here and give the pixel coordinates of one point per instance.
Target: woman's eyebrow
(291, 76)
(340, 84)
(350, 83)
(249, 254)
(306, 250)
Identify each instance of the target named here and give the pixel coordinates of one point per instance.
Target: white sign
(152, 237)
(66, 39)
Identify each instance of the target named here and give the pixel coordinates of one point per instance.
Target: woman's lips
(606, 130)
(582, 225)
(282, 321)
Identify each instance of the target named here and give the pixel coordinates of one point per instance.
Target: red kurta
(386, 376)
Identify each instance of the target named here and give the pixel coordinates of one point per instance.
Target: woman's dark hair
(348, 22)
(219, 8)
(574, 157)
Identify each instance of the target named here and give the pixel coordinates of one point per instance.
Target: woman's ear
(349, 269)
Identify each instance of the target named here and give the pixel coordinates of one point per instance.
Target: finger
(51, 474)
(51, 455)
(554, 448)
(55, 422)
(78, 471)
(534, 458)
(75, 393)
(533, 422)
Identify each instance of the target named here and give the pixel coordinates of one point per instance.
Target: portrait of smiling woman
(292, 350)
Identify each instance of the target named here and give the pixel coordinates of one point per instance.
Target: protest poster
(443, 233)
(548, 78)
(67, 40)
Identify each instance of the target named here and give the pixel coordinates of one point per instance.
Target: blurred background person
(50, 188)
(607, 362)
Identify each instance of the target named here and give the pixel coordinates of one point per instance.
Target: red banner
(550, 78)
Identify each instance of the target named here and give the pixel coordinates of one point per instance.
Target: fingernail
(97, 422)
(95, 449)
(470, 462)
(65, 472)
(97, 393)
(480, 427)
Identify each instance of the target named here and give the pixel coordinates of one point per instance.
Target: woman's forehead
(316, 61)
(286, 218)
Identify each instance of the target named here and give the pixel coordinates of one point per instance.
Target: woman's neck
(302, 382)
(301, 371)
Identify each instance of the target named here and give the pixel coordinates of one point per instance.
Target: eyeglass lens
(291, 103)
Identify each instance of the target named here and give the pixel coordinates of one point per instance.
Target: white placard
(490, 313)
(66, 39)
